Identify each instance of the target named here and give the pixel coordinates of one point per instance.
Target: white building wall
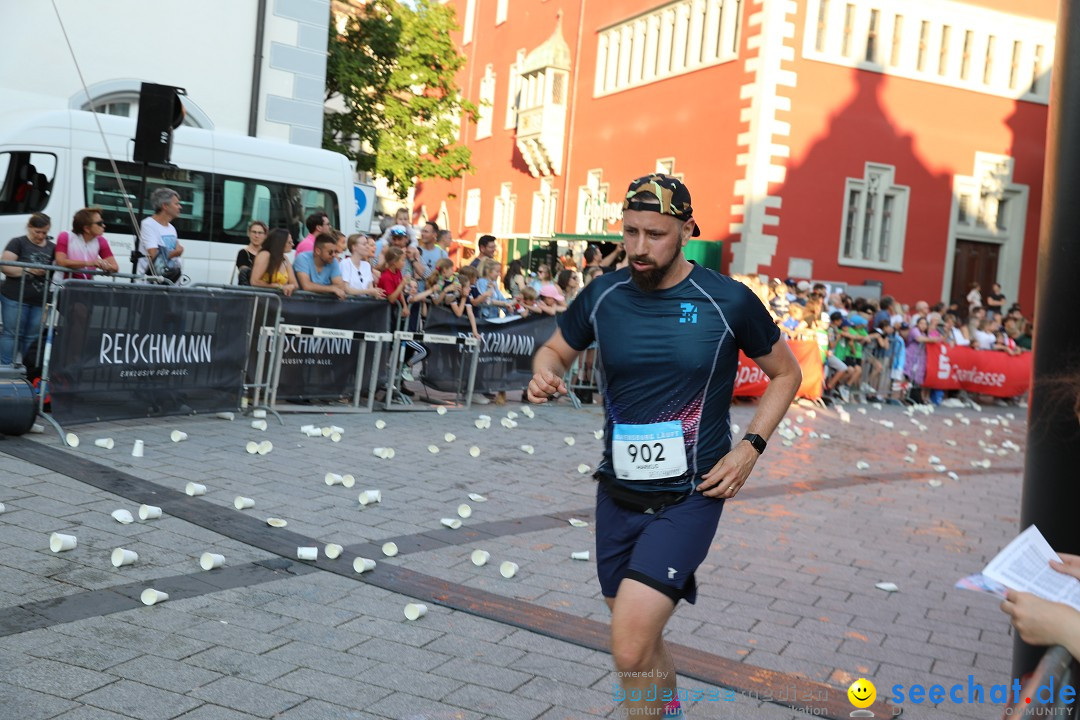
(204, 46)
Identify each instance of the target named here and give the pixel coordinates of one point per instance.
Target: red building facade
(852, 142)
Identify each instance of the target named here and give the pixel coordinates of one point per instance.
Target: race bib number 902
(648, 452)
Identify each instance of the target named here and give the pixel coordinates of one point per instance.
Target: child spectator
(488, 296)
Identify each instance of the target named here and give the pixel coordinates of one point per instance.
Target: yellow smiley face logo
(862, 693)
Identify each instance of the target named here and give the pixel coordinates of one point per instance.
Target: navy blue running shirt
(670, 355)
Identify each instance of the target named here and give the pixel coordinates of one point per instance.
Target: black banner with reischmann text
(506, 351)
(128, 351)
(315, 367)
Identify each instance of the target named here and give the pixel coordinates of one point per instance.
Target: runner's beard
(649, 280)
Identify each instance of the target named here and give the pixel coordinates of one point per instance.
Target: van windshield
(26, 181)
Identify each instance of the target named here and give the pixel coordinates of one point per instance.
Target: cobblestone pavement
(788, 587)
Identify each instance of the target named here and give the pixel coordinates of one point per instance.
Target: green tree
(394, 69)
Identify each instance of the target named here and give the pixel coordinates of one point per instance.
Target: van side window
(26, 181)
(238, 201)
(103, 191)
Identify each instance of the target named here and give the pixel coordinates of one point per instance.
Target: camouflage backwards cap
(673, 196)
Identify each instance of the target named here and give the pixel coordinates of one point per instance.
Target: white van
(55, 162)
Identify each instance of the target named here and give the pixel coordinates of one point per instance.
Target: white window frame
(594, 190)
(545, 205)
(502, 221)
(472, 207)
(514, 88)
(486, 106)
(501, 7)
(674, 39)
(470, 21)
(1016, 46)
(876, 188)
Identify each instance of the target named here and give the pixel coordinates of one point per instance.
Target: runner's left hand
(730, 474)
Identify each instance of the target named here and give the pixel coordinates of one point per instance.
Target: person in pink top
(317, 223)
(85, 248)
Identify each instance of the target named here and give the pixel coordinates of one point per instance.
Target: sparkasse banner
(127, 351)
(988, 372)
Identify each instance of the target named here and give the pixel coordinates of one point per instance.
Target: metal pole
(1051, 493)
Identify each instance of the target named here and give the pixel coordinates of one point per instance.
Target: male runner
(669, 333)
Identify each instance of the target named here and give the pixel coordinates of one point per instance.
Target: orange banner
(751, 380)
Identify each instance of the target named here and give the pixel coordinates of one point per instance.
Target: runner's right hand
(544, 386)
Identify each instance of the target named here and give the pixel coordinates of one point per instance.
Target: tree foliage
(394, 69)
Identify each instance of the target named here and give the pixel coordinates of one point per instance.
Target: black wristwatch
(756, 441)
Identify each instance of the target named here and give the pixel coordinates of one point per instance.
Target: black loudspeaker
(18, 404)
(160, 112)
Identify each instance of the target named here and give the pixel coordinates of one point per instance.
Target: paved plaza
(787, 597)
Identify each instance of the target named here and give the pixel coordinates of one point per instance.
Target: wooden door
(974, 262)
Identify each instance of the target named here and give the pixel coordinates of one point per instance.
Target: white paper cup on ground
(259, 414)
(508, 569)
(582, 555)
(314, 432)
(415, 611)
(58, 542)
(326, 432)
(72, 440)
(106, 443)
(433, 449)
(480, 557)
(370, 496)
(224, 416)
(335, 437)
(333, 550)
(307, 428)
(363, 565)
(193, 489)
(258, 424)
(138, 449)
(265, 447)
(380, 424)
(332, 479)
(2, 508)
(307, 553)
(348, 481)
(464, 510)
(150, 596)
(149, 512)
(209, 560)
(252, 447)
(389, 549)
(121, 557)
(441, 410)
(474, 451)
(276, 522)
(449, 437)
(178, 436)
(337, 429)
(452, 523)
(243, 503)
(122, 516)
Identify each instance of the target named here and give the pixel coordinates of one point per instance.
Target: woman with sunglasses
(85, 247)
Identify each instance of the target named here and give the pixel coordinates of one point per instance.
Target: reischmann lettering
(154, 349)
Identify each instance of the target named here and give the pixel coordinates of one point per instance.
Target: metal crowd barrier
(397, 363)
(1056, 670)
(51, 285)
(277, 336)
(258, 378)
(583, 377)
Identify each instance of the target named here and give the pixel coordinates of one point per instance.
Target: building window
(897, 37)
(965, 59)
(872, 37)
(472, 207)
(500, 11)
(513, 91)
(943, 52)
(502, 224)
(1036, 73)
(545, 202)
(924, 39)
(875, 218)
(676, 38)
(1014, 64)
(988, 68)
(849, 29)
(470, 18)
(485, 106)
(592, 209)
(822, 28)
